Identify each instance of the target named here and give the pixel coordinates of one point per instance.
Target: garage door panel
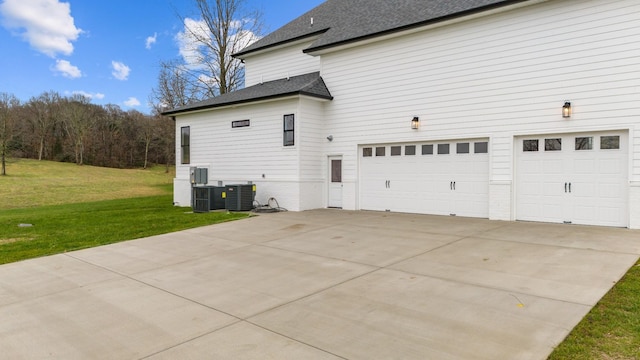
(424, 183)
(579, 184)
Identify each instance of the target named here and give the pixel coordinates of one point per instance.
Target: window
(584, 143)
(427, 149)
(481, 147)
(410, 150)
(185, 144)
(240, 123)
(380, 151)
(462, 148)
(530, 145)
(609, 142)
(336, 171)
(288, 136)
(443, 149)
(367, 152)
(396, 150)
(552, 144)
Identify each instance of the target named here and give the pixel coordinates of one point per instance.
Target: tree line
(72, 129)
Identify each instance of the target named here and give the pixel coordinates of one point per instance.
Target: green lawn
(60, 228)
(32, 183)
(72, 207)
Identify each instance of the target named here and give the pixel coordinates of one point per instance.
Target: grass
(58, 200)
(611, 330)
(62, 228)
(33, 183)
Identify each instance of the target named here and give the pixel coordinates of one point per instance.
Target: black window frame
(288, 130)
(185, 145)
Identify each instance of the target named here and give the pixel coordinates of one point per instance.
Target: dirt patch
(13, 240)
(295, 227)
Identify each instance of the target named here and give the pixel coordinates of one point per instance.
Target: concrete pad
(253, 279)
(117, 319)
(568, 274)
(36, 278)
(449, 225)
(577, 236)
(316, 284)
(263, 228)
(146, 254)
(243, 341)
(361, 244)
(395, 315)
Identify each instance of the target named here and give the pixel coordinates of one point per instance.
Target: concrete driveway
(324, 284)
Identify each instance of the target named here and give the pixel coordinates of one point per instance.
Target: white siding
(498, 76)
(243, 154)
(293, 175)
(279, 64)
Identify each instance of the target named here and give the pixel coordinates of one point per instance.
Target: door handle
(450, 185)
(565, 187)
(569, 187)
(454, 185)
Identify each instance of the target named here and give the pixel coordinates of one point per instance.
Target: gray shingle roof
(309, 84)
(343, 21)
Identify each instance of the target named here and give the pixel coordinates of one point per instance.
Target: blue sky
(106, 49)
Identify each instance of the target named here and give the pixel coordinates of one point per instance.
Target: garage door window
(443, 149)
(609, 142)
(427, 149)
(530, 145)
(584, 143)
(380, 151)
(367, 152)
(481, 147)
(552, 144)
(462, 148)
(410, 150)
(396, 150)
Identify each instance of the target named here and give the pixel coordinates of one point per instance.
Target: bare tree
(174, 89)
(78, 121)
(225, 27)
(8, 106)
(42, 116)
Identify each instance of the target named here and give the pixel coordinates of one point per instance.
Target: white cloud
(65, 68)
(151, 40)
(189, 41)
(46, 24)
(98, 96)
(120, 70)
(132, 102)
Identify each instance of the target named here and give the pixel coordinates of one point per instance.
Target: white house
(507, 110)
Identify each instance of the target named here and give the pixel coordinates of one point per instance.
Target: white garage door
(573, 178)
(442, 178)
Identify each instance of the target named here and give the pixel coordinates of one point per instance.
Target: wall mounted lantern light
(566, 109)
(415, 123)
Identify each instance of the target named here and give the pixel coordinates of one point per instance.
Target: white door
(441, 178)
(335, 182)
(573, 178)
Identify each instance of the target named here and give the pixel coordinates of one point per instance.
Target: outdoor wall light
(566, 109)
(415, 123)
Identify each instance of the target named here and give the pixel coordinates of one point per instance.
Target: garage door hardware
(565, 187)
